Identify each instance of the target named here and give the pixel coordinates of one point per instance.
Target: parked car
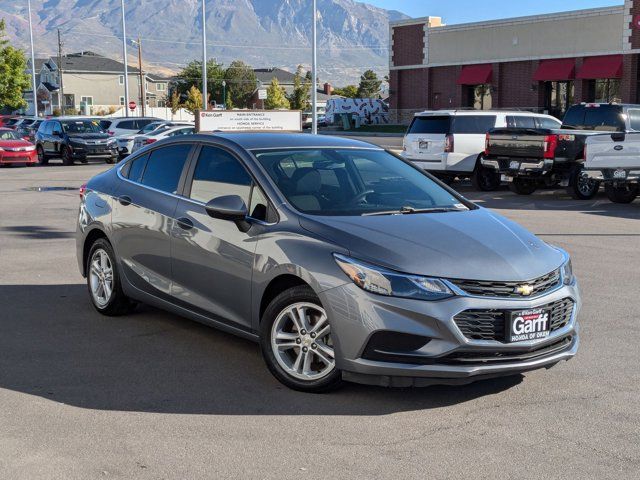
(614, 159)
(29, 132)
(341, 259)
(125, 125)
(125, 142)
(450, 144)
(74, 138)
(530, 157)
(11, 122)
(16, 150)
(5, 118)
(160, 133)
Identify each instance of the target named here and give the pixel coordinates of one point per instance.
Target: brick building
(541, 63)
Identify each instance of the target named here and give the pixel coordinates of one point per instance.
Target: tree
(241, 83)
(299, 97)
(191, 75)
(13, 77)
(350, 91)
(193, 101)
(276, 98)
(369, 85)
(173, 102)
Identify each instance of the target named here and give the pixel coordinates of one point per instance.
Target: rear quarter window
(520, 121)
(474, 124)
(431, 124)
(634, 118)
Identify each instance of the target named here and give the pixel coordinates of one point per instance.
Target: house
(91, 84)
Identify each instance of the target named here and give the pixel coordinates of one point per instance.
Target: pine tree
(369, 85)
(299, 97)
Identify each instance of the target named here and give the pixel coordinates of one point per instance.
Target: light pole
(126, 68)
(224, 94)
(314, 66)
(204, 55)
(33, 65)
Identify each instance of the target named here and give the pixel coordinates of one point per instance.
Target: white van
(449, 143)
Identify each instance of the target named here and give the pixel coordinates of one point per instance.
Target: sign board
(132, 105)
(249, 120)
(262, 94)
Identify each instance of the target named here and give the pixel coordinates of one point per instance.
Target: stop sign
(132, 105)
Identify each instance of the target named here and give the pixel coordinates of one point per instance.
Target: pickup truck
(615, 161)
(528, 158)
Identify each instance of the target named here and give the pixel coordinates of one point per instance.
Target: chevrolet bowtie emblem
(524, 290)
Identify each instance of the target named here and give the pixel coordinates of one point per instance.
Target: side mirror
(229, 207)
(57, 133)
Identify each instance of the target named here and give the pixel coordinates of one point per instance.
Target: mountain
(352, 36)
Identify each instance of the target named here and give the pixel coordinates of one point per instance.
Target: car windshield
(9, 135)
(81, 126)
(342, 182)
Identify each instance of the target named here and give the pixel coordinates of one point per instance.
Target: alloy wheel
(301, 341)
(101, 278)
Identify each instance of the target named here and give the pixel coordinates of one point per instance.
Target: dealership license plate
(526, 325)
(620, 174)
(514, 165)
(422, 145)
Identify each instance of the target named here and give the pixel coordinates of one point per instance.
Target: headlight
(381, 281)
(567, 273)
(30, 148)
(112, 141)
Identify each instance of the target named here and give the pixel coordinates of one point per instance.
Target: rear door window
(520, 121)
(431, 124)
(474, 124)
(164, 167)
(549, 123)
(127, 125)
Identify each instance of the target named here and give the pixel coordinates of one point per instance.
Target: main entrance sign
(249, 120)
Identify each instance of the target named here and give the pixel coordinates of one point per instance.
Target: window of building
(121, 80)
(165, 166)
(162, 103)
(558, 97)
(87, 100)
(479, 96)
(161, 87)
(605, 90)
(122, 101)
(219, 173)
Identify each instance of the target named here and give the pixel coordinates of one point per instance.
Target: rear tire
(622, 193)
(523, 186)
(581, 187)
(287, 342)
(485, 179)
(103, 281)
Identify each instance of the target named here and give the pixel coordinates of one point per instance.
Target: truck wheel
(523, 186)
(622, 193)
(581, 187)
(485, 179)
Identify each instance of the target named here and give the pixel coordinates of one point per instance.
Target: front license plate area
(527, 325)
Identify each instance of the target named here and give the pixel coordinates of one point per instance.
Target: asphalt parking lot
(155, 396)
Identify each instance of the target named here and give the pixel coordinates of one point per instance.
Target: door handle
(184, 223)
(124, 200)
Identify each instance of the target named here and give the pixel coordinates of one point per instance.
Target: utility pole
(61, 98)
(126, 68)
(314, 67)
(33, 65)
(143, 84)
(204, 55)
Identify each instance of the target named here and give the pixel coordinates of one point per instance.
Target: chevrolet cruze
(342, 260)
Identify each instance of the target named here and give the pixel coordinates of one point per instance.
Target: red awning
(555, 70)
(476, 74)
(608, 66)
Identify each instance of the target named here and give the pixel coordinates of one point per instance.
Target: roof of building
(92, 62)
(265, 75)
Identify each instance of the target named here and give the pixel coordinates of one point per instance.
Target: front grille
(480, 288)
(490, 324)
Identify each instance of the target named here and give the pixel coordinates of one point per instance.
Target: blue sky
(463, 11)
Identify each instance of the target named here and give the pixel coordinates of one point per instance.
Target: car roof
(117, 119)
(452, 113)
(269, 140)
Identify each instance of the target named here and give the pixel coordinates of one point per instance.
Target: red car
(14, 149)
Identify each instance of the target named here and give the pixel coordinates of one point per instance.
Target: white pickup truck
(614, 159)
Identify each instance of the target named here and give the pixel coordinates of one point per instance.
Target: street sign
(262, 94)
(249, 120)
(132, 105)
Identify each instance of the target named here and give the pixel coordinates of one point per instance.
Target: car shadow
(552, 200)
(53, 344)
(36, 232)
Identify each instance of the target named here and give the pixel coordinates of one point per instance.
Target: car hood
(90, 136)
(15, 144)
(475, 245)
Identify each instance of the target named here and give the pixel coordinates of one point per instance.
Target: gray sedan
(342, 260)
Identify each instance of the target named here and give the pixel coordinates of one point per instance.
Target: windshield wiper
(412, 210)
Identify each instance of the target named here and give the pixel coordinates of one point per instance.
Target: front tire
(67, 157)
(626, 193)
(103, 281)
(296, 343)
(42, 157)
(485, 179)
(581, 187)
(523, 186)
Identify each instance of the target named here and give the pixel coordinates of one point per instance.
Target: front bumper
(8, 157)
(449, 357)
(81, 151)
